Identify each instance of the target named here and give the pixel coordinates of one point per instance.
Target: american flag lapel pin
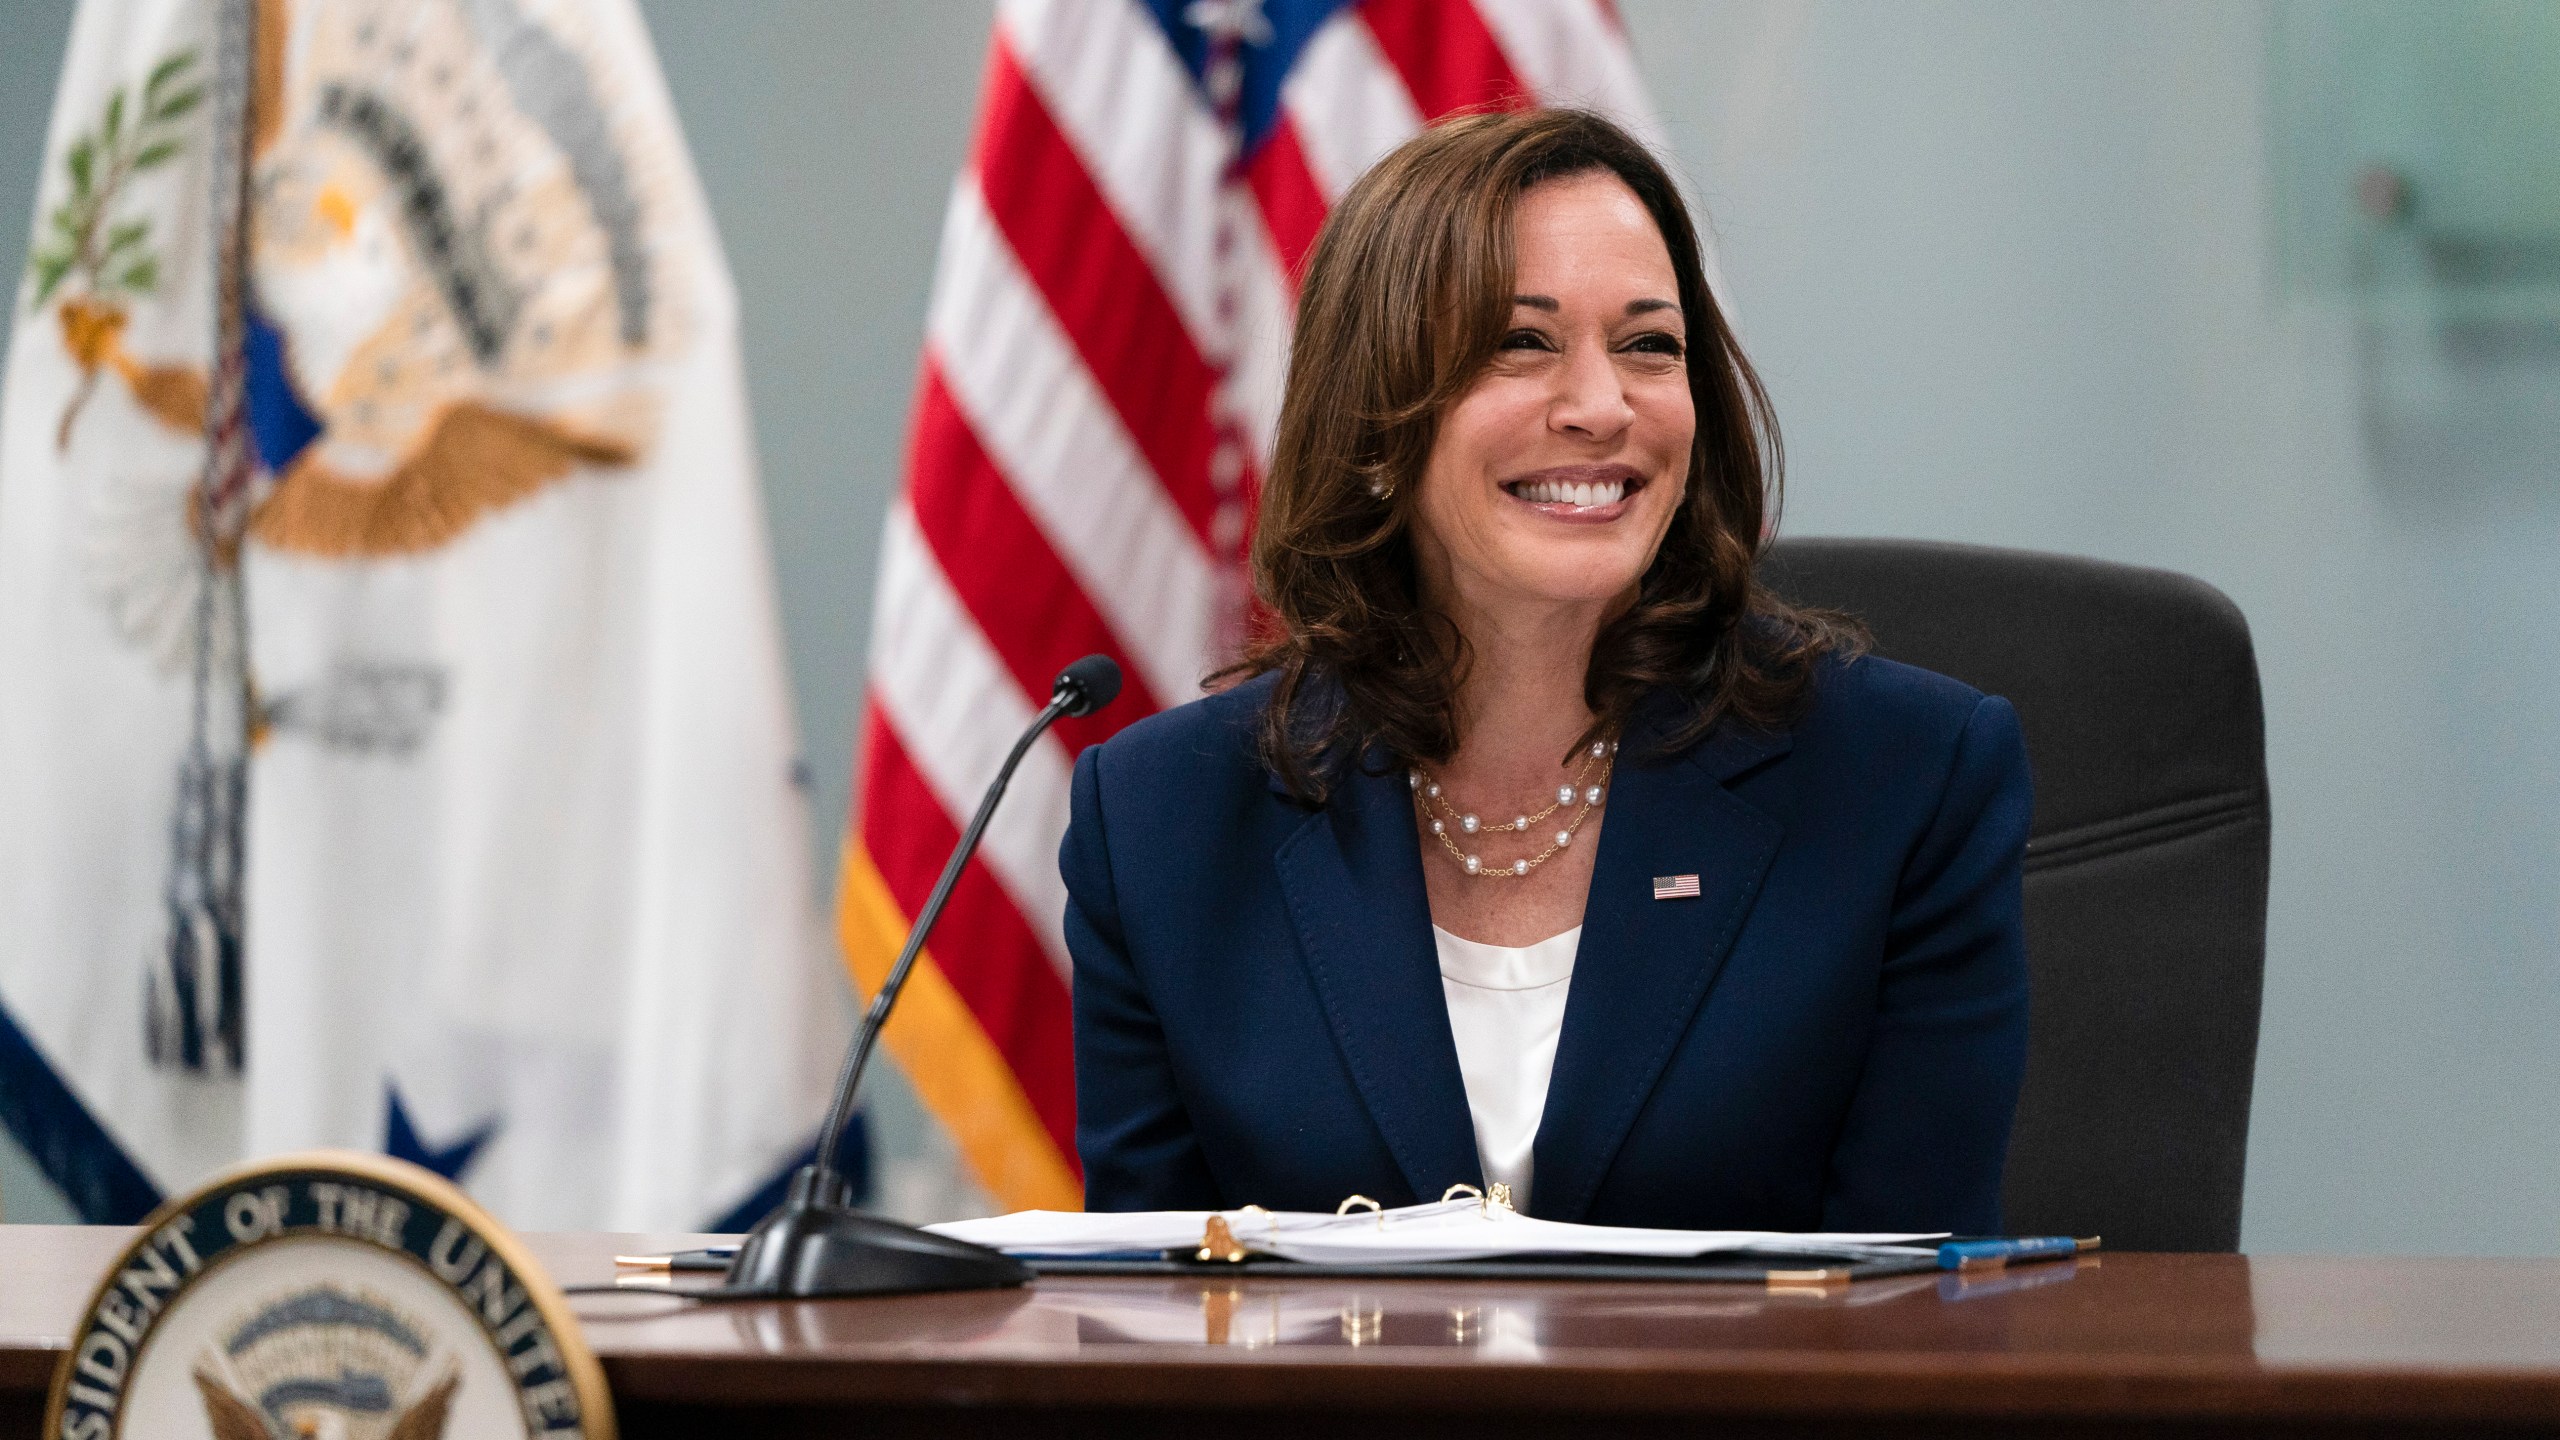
(1675, 887)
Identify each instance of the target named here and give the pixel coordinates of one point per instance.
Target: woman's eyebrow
(1549, 304)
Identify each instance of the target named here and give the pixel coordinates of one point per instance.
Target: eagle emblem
(455, 274)
(323, 1364)
(456, 237)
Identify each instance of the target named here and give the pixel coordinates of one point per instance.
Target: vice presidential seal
(333, 1296)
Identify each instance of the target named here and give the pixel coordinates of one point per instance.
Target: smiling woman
(1523, 292)
(1356, 924)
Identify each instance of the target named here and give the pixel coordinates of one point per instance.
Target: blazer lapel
(1352, 874)
(1644, 965)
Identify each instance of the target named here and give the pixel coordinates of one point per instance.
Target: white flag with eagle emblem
(394, 747)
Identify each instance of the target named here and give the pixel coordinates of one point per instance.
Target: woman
(1543, 847)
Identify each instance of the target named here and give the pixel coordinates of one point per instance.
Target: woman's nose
(1590, 402)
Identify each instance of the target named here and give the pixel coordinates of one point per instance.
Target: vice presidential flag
(1100, 381)
(394, 745)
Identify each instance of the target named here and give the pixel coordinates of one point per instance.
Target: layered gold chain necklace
(1447, 823)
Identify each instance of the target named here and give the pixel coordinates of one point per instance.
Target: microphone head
(1088, 684)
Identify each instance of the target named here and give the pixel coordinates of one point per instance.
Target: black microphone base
(811, 1249)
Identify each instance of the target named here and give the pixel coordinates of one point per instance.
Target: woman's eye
(1526, 340)
(1657, 342)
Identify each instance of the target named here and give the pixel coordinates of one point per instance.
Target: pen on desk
(1985, 1254)
(715, 1258)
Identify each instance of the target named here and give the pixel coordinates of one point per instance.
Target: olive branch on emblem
(107, 257)
(114, 258)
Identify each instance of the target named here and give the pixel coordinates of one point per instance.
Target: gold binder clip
(1345, 1208)
(1218, 1242)
(1501, 1196)
(1463, 1188)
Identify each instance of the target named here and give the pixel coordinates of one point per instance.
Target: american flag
(1100, 381)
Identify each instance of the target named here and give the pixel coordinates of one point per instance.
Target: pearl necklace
(1589, 788)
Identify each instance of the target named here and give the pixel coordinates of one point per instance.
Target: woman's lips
(1583, 495)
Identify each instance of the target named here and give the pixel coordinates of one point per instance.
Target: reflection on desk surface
(2228, 1314)
(1525, 1321)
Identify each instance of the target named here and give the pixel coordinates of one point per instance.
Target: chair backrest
(2146, 871)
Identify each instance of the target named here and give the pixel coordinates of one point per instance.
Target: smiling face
(1552, 480)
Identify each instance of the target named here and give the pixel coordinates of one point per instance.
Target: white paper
(1448, 1230)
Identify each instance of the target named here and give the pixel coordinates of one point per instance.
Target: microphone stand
(816, 1244)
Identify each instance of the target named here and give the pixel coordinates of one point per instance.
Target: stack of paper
(1447, 1230)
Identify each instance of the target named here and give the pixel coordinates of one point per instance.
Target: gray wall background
(2005, 265)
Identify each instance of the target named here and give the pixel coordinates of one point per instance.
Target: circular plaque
(332, 1295)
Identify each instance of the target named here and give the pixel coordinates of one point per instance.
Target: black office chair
(2146, 872)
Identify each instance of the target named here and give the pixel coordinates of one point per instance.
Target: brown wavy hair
(1406, 296)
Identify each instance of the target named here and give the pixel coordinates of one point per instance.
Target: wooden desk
(2120, 1345)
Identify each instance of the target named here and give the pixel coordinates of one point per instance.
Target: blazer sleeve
(1132, 1131)
(1928, 1126)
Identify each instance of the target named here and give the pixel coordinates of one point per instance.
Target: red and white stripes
(1100, 381)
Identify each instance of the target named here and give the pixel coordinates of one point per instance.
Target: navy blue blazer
(1829, 1037)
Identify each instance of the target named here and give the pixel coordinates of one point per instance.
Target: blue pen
(1986, 1254)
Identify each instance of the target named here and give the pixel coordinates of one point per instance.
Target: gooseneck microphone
(816, 1244)
(1080, 689)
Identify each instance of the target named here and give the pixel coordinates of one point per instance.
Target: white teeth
(1582, 495)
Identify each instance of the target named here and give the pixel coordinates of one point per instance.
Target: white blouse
(1506, 1007)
